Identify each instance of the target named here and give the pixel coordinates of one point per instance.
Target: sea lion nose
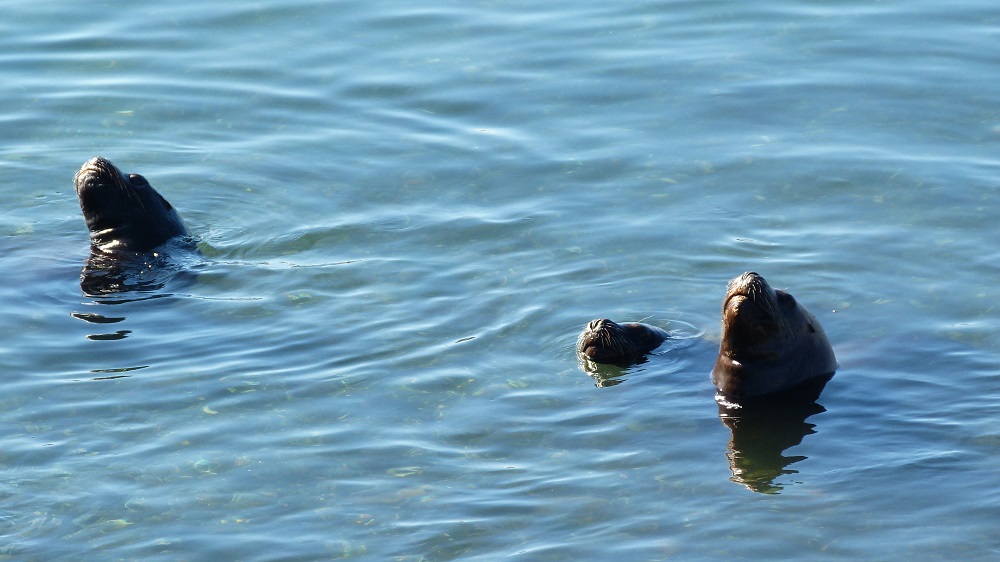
(599, 324)
(98, 165)
(98, 162)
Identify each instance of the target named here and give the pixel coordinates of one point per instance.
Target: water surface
(407, 213)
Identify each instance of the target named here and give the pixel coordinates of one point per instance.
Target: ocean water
(406, 213)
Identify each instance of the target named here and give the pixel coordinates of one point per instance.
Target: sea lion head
(123, 212)
(770, 342)
(604, 341)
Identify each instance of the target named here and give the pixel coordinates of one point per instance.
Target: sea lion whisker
(611, 342)
(131, 194)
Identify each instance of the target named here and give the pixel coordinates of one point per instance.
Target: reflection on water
(605, 375)
(119, 335)
(763, 429)
(105, 275)
(97, 318)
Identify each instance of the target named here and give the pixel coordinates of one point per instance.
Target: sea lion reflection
(763, 429)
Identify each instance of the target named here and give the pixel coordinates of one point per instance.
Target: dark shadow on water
(114, 279)
(121, 280)
(112, 374)
(97, 318)
(119, 335)
(763, 428)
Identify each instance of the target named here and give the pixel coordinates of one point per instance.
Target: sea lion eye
(137, 179)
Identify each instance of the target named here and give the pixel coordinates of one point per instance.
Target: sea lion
(770, 343)
(128, 221)
(124, 213)
(604, 341)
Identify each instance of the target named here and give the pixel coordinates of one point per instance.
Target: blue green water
(409, 210)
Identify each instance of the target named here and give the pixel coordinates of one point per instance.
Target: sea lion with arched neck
(604, 341)
(770, 342)
(128, 222)
(124, 214)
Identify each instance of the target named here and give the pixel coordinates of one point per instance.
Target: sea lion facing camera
(604, 341)
(770, 342)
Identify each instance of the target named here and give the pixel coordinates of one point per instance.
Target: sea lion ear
(166, 204)
(784, 298)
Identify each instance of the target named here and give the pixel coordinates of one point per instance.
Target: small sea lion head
(123, 212)
(605, 341)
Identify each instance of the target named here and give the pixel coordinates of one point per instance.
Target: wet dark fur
(770, 342)
(128, 220)
(123, 212)
(604, 341)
